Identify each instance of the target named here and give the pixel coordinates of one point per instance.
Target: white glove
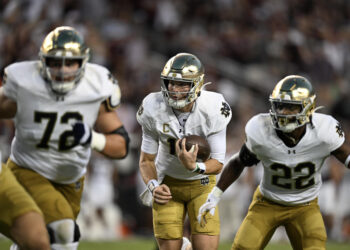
(209, 206)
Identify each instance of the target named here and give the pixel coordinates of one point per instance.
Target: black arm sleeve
(247, 157)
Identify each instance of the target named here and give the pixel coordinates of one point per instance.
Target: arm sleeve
(217, 144)
(247, 157)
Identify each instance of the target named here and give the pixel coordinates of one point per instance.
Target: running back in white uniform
(44, 141)
(292, 175)
(209, 116)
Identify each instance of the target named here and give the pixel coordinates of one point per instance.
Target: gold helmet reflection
(63, 43)
(183, 67)
(293, 90)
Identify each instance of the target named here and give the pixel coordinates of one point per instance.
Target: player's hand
(209, 206)
(162, 194)
(82, 133)
(188, 158)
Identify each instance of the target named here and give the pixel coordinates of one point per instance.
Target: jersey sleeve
(217, 148)
(113, 100)
(149, 133)
(331, 133)
(149, 142)
(10, 86)
(221, 115)
(105, 84)
(252, 135)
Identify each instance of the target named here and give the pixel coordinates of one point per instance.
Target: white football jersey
(210, 115)
(292, 175)
(43, 140)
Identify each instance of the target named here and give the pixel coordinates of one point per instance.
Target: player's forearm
(213, 166)
(116, 146)
(231, 172)
(148, 171)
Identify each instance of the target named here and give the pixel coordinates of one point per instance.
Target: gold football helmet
(183, 67)
(63, 46)
(296, 93)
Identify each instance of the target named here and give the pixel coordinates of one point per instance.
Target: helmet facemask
(184, 98)
(289, 122)
(62, 80)
(292, 103)
(61, 50)
(183, 68)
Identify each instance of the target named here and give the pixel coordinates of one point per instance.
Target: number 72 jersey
(44, 138)
(292, 175)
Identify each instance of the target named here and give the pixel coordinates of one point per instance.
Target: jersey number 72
(65, 141)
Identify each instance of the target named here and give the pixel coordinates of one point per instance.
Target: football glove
(85, 136)
(209, 206)
(82, 134)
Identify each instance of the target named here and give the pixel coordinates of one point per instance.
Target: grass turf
(149, 244)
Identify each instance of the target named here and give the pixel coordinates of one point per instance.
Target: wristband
(347, 162)
(98, 141)
(200, 168)
(152, 184)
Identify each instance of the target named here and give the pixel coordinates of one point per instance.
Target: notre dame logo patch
(339, 130)
(225, 109)
(205, 181)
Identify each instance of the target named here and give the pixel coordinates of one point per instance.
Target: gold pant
(187, 197)
(14, 200)
(303, 223)
(56, 201)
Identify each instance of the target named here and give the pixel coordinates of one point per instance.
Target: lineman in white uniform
(291, 143)
(177, 182)
(55, 103)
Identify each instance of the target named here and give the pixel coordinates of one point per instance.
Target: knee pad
(63, 231)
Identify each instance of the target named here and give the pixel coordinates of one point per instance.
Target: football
(203, 146)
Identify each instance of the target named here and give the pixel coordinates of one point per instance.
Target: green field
(147, 244)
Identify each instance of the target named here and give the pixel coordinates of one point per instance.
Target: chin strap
(318, 108)
(205, 84)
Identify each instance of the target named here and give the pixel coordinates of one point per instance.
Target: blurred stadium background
(246, 47)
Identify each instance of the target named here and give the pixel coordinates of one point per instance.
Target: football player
(291, 143)
(20, 218)
(178, 182)
(63, 107)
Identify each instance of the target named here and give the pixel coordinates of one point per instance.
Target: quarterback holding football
(291, 143)
(178, 182)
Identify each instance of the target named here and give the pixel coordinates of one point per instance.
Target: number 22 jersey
(292, 175)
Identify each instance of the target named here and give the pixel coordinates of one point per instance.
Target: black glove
(82, 134)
